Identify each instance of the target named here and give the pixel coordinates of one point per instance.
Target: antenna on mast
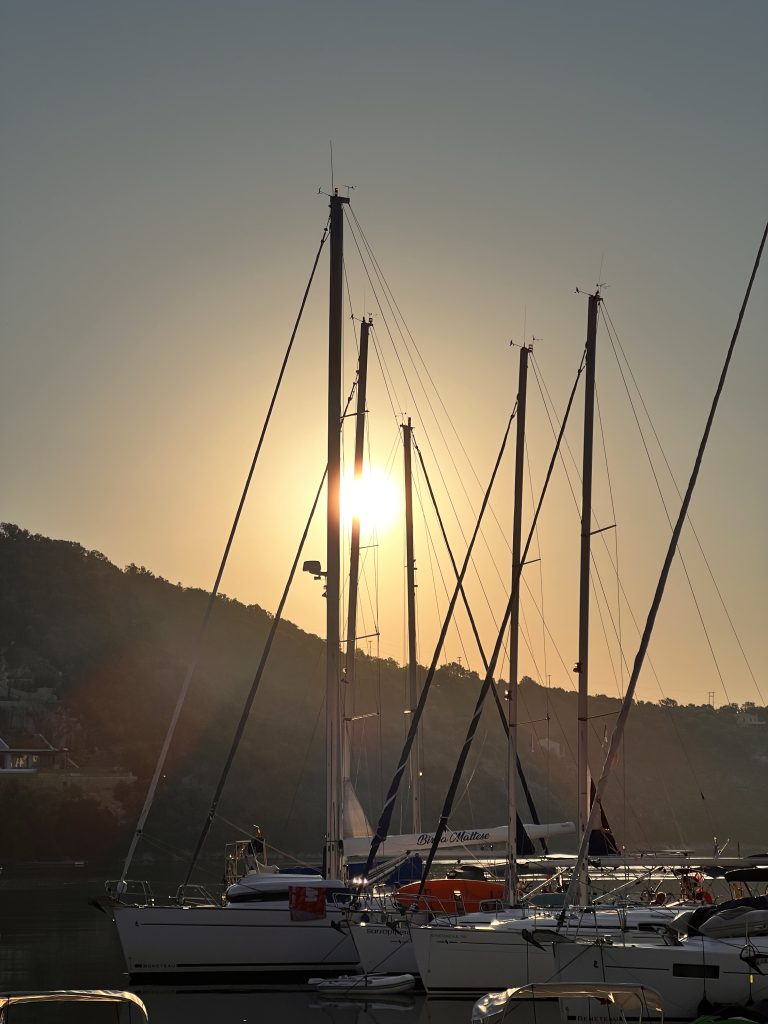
(330, 144)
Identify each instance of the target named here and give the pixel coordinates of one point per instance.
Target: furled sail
(356, 825)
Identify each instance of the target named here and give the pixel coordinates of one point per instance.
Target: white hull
(683, 975)
(383, 948)
(384, 943)
(179, 942)
(470, 961)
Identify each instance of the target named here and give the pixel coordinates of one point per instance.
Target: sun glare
(375, 499)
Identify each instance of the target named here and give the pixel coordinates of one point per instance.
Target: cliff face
(93, 656)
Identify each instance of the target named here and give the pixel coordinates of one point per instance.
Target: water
(51, 937)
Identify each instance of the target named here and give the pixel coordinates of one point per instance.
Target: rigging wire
(389, 386)
(540, 559)
(616, 528)
(618, 608)
(243, 721)
(541, 383)
(433, 560)
(657, 597)
(543, 631)
(505, 723)
(192, 667)
(620, 678)
(253, 690)
(690, 523)
(407, 379)
(488, 682)
(524, 630)
(386, 814)
(394, 304)
(669, 521)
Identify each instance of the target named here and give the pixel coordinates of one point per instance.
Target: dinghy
(358, 985)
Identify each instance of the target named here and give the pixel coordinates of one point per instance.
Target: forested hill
(93, 656)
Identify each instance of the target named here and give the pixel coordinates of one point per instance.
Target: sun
(375, 499)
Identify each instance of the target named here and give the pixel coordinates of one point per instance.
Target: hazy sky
(159, 218)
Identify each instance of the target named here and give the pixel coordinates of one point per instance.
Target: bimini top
(90, 995)
(624, 994)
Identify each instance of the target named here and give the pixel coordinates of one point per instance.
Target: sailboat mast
(332, 858)
(354, 549)
(514, 627)
(413, 696)
(582, 666)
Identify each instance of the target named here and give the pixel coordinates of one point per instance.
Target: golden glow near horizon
(375, 499)
(161, 216)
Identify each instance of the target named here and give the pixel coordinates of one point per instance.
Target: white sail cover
(477, 839)
(355, 822)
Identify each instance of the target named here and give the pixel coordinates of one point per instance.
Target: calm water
(50, 937)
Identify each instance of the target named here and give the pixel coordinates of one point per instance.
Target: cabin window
(273, 895)
(695, 971)
(259, 896)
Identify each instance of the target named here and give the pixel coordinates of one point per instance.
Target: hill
(94, 655)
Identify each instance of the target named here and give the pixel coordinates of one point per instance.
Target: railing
(192, 895)
(242, 857)
(132, 892)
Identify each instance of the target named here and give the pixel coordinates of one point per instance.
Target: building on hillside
(26, 754)
(748, 719)
(44, 767)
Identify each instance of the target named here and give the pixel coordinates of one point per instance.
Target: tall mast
(514, 627)
(413, 696)
(333, 821)
(582, 666)
(354, 549)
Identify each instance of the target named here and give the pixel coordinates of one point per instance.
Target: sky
(160, 215)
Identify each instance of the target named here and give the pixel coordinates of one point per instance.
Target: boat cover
(9, 999)
(486, 839)
(698, 917)
(624, 994)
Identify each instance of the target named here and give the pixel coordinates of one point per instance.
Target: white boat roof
(8, 999)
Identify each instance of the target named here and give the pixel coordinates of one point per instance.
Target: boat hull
(384, 947)
(464, 962)
(684, 975)
(472, 960)
(254, 943)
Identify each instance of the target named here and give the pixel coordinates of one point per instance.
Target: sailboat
(272, 926)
